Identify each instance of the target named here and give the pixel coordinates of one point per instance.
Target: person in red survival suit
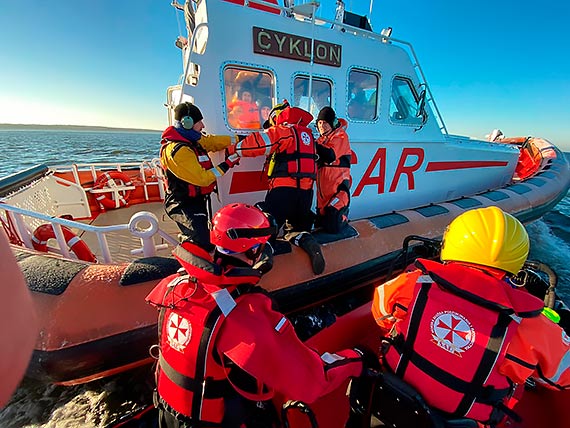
(243, 111)
(221, 340)
(460, 333)
(290, 148)
(190, 173)
(333, 176)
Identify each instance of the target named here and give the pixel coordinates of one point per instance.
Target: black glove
(265, 262)
(370, 361)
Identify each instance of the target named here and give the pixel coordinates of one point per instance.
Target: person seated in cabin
(460, 332)
(291, 167)
(243, 111)
(333, 172)
(224, 348)
(265, 105)
(357, 106)
(190, 174)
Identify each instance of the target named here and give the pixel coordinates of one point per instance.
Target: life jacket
(244, 115)
(299, 158)
(175, 184)
(191, 378)
(334, 179)
(455, 337)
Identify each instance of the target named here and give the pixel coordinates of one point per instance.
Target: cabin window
(404, 103)
(362, 96)
(321, 94)
(248, 96)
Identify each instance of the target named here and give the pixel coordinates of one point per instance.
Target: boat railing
(143, 225)
(153, 166)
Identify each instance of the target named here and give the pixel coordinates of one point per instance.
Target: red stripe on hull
(447, 166)
(248, 181)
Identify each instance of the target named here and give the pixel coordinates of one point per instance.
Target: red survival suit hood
(171, 134)
(294, 116)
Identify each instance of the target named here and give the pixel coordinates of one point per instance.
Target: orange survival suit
(214, 323)
(292, 170)
(333, 178)
(462, 336)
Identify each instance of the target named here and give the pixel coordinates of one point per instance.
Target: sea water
(101, 402)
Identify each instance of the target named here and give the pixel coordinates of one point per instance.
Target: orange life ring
(108, 180)
(75, 244)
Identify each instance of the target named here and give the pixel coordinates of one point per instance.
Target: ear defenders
(336, 123)
(187, 122)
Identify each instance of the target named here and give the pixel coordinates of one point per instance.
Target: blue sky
(490, 64)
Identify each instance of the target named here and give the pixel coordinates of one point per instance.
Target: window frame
(421, 122)
(348, 99)
(316, 77)
(247, 67)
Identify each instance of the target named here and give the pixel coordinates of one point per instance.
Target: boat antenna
(177, 6)
(370, 13)
(313, 12)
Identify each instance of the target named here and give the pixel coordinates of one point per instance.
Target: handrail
(191, 47)
(148, 247)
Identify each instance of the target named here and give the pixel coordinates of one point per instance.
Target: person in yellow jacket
(190, 173)
(333, 174)
(460, 332)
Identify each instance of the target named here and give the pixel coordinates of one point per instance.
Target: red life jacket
(174, 183)
(299, 159)
(191, 380)
(455, 337)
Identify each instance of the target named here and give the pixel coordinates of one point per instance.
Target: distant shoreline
(18, 126)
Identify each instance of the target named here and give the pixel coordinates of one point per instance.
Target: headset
(336, 123)
(187, 122)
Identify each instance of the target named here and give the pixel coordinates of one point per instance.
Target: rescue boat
(93, 239)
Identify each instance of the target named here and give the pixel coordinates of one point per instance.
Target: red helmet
(238, 227)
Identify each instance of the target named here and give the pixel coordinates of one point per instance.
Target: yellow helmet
(488, 237)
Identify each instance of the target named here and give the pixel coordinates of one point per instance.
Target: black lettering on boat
(290, 46)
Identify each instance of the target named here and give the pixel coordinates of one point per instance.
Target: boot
(308, 243)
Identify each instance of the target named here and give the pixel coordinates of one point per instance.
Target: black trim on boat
(495, 195)
(48, 275)
(20, 179)
(538, 182)
(521, 189)
(547, 174)
(431, 210)
(388, 220)
(90, 358)
(467, 203)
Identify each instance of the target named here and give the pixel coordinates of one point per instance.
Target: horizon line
(93, 127)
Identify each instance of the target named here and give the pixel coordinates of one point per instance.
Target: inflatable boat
(93, 239)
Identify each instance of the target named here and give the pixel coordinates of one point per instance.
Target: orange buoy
(75, 244)
(108, 180)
